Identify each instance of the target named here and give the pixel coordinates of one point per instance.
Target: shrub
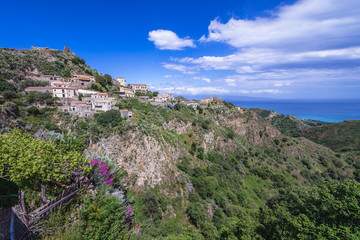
(110, 118)
(338, 163)
(33, 111)
(196, 213)
(9, 94)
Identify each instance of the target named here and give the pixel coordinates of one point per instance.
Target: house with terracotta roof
(194, 104)
(60, 84)
(87, 92)
(164, 97)
(74, 106)
(65, 92)
(99, 95)
(126, 92)
(103, 104)
(139, 87)
(126, 114)
(83, 80)
(120, 81)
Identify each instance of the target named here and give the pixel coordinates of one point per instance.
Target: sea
(323, 110)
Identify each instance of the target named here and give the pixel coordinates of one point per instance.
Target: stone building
(80, 108)
(126, 92)
(120, 81)
(65, 92)
(103, 104)
(60, 84)
(99, 95)
(164, 97)
(38, 89)
(139, 87)
(194, 104)
(126, 114)
(82, 80)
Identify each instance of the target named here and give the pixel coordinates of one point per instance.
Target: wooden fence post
(43, 193)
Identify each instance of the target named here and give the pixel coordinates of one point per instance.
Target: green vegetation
(14, 64)
(221, 173)
(285, 123)
(340, 137)
(35, 161)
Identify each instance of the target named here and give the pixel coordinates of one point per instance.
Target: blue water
(323, 110)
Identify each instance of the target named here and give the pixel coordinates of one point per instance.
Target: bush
(33, 111)
(196, 213)
(8, 94)
(6, 86)
(110, 118)
(103, 218)
(338, 163)
(205, 124)
(76, 60)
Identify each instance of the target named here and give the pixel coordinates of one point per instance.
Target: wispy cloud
(205, 79)
(181, 68)
(193, 90)
(168, 40)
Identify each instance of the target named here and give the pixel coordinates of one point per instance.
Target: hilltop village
(76, 95)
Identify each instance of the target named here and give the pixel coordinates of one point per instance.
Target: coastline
(323, 110)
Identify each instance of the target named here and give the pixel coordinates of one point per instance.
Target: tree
(6, 86)
(28, 162)
(80, 96)
(110, 118)
(100, 80)
(96, 87)
(9, 94)
(330, 211)
(108, 79)
(197, 213)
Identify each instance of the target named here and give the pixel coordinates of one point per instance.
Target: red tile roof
(65, 88)
(83, 77)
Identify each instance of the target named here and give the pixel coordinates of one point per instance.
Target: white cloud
(205, 79)
(171, 76)
(179, 67)
(280, 84)
(168, 40)
(252, 60)
(193, 90)
(270, 91)
(307, 24)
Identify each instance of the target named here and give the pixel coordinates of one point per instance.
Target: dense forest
(174, 172)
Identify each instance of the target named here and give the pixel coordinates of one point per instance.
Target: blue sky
(254, 48)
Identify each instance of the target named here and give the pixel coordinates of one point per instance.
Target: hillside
(19, 64)
(177, 172)
(340, 137)
(285, 123)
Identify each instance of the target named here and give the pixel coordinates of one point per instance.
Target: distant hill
(283, 122)
(181, 98)
(340, 137)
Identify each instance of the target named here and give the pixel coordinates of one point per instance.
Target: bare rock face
(178, 126)
(148, 161)
(247, 126)
(68, 50)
